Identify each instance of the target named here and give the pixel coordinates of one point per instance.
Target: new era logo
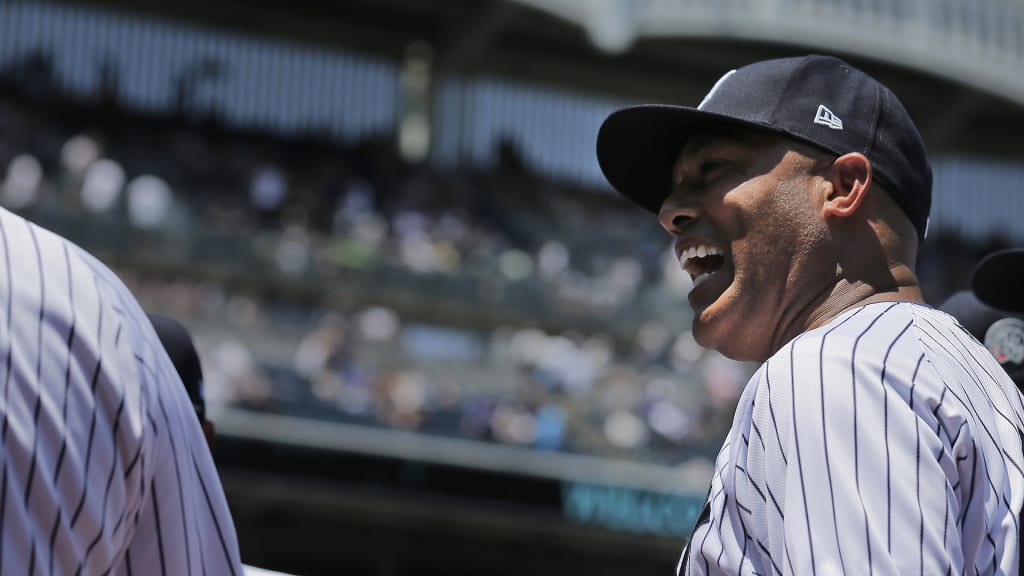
(825, 117)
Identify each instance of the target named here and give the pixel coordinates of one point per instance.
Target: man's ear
(850, 176)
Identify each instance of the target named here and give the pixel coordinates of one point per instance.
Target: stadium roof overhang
(960, 107)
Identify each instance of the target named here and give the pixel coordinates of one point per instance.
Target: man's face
(742, 213)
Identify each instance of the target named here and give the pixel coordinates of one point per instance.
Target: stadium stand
(475, 345)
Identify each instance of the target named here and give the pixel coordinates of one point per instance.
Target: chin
(729, 343)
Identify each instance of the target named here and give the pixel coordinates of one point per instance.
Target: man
(105, 468)
(876, 437)
(999, 280)
(1000, 331)
(177, 342)
(179, 346)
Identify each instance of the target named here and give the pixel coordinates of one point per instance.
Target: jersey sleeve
(182, 523)
(844, 471)
(103, 465)
(71, 430)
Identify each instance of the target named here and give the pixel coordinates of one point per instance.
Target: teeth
(698, 252)
(690, 266)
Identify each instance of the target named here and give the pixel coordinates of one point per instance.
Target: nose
(674, 217)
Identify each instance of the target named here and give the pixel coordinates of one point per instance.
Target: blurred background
(434, 341)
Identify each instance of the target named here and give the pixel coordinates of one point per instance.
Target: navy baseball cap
(1000, 331)
(820, 100)
(999, 279)
(178, 344)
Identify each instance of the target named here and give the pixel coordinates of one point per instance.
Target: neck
(898, 283)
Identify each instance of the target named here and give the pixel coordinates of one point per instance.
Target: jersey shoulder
(879, 344)
(882, 324)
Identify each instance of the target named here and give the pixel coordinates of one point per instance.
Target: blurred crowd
(568, 323)
(666, 402)
(313, 205)
(315, 212)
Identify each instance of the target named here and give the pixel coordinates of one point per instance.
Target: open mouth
(701, 261)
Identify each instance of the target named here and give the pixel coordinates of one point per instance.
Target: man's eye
(712, 168)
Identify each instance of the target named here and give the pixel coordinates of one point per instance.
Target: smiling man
(877, 436)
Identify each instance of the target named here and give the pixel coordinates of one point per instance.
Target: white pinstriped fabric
(104, 467)
(885, 442)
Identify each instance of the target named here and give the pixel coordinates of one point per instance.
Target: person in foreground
(876, 436)
(105, 469)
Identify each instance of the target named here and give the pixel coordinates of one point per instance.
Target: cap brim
(637, 147)
(998, 280)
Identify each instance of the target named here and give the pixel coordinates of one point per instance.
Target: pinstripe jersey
(105, 469)
(885, 442)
